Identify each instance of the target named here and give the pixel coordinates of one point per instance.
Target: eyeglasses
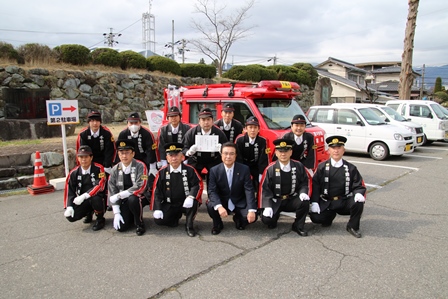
(124, 153)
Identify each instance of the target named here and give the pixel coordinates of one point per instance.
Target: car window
(393, 106)
(438, 111)
(324, 116)
(278, 113)
(347, 117)
(370, 117)
(394, 114)
(380, 114)
(419, 111)
(195, 107)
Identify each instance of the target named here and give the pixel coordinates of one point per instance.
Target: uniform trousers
(290, 205)
(132, 211)
(172, 214)
(94, 203)
(346, 206)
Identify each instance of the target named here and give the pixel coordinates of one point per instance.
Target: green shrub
(443, 96)
(73, 54)
(8, 52)
(197, 70)
(131, 59)
(36, 54)
(253, 73)
(310, 70)
(163, 64)
(292, 74)
(106, 56)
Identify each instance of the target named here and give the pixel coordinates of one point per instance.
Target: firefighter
(83, 193)
(230, 126)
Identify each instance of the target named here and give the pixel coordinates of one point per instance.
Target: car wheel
(379, 151)
(426, 141)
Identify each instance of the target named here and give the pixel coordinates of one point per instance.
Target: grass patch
(20, 142)
(14, 192)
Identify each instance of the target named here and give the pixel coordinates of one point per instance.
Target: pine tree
(438, 85)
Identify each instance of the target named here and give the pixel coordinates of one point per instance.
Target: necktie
(230, 204)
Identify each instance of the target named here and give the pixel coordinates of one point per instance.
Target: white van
(426, 113)
(391, 116)
(365, 131)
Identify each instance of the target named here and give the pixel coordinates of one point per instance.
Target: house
(347, 80)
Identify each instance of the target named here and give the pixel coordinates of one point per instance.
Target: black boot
(88, 218)
(100, 222)
(140, 229)
(189, 223)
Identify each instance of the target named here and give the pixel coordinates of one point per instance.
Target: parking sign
(62, 112)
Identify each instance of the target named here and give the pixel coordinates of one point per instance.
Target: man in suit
(230, 190)
(285, 187)
(338, 188)
(230, 126)
(177, 190)
(174, 131)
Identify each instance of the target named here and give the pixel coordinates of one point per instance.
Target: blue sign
(55, 109)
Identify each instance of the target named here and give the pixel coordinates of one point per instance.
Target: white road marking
(431, 148)
(419, 156)
(385, 165)
(374, 186)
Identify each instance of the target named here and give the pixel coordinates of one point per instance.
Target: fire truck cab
(271, 102)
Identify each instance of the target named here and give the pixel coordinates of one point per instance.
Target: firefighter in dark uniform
(100, 140)
(304, 149)
(83, 193)
(145, 143)
(174, 131)
(338, 188)
(285, 187)
(201, 159)
(230, 126)
(177, 190)
(253, 150)
(127, 186)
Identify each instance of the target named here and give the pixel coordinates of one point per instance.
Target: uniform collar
(336, 164)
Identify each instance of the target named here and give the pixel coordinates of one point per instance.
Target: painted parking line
(373, 186)
(385, 165)
(419, 156)
(431, 148)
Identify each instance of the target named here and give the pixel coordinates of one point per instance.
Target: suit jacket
(242, 191)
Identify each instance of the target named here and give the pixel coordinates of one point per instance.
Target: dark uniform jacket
(145, 145)
(173, 188)
(304, 152)
(166, 136)
(273, 189)
(241, 193)
(202, 157)
(77, 184)
(103, 146)
(344, 181)
(236, 128)
(253, 155)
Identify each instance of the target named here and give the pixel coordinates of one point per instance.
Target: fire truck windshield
(278, 113)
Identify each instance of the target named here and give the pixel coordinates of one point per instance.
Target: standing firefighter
(230, 126)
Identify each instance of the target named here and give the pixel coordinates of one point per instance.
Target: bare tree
(406, 74)
(220, 31)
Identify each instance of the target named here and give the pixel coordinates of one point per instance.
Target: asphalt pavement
(402, 254)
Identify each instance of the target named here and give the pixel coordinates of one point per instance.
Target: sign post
(62, 112)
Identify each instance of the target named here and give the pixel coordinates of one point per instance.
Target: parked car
(426, 113)
(365, 131)
(391, 116)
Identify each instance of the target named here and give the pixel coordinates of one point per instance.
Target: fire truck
(271, 102)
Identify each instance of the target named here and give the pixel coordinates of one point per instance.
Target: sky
(292, 31)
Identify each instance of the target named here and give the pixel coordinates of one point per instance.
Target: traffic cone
(40, 185)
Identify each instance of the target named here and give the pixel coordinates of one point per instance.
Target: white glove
(164, 163)
(304, 196)
(259, 178)
(218, 147)
(359, 198)
(158, 214)
(153, 171)
(124, 194)
(114, 198)
(108, 169)
(79, 199)
(268, 212)
(117, 218)
(193, 149)
(188, 202)
(315, 208)
(69, 212)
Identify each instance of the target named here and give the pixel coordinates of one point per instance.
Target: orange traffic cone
(40, 185)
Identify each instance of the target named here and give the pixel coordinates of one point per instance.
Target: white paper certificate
(206, 143)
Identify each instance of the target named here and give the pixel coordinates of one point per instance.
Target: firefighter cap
(206, 113)
(336, 141)
(84, 150)
(173, 111)
(173, 148)
(298, 119)
(252, 121)
(283, 145)
(134, 117)
(96, 115)
(228, 107)
(125, 144)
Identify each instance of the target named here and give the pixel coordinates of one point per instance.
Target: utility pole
(109, 38)
(171, 43)
(182, 49)
(273, 59)
(423, 82)
(406, 74)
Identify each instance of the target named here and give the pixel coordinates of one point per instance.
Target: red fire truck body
(271, 102)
